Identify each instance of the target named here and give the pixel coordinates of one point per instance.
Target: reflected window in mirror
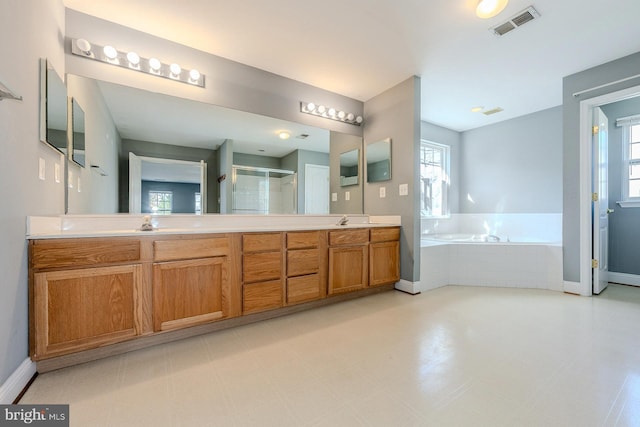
(349, 167)
(53, 108)
(77, 133)
(379, 161)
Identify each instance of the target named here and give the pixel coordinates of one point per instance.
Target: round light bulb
(84, 46)
(490, 8)
(341, 115)
(322, 109)
(350, 117)
(154, 64)
(175, 69)
(110, 52)
(359, 119)
(332, 112)
(311, 106)
(133, 58)
(194, 75)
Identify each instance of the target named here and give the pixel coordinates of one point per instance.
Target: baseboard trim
(572, 288)
(624, 278)
(412, 288)
(17, 381)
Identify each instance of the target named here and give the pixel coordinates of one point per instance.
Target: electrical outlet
(347, 195)
(403, 189)
(42, 168)
(334, 197)
(383, 192)
(56, 172)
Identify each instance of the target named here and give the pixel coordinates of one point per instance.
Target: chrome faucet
(343, 221)
(146, 224)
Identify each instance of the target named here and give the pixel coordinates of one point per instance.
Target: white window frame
(627, 123)
(445, 190)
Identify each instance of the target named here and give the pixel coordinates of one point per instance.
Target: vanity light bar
(330, 113)
(131, 60)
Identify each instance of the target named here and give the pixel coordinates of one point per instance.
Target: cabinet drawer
(80, 252)
(385, 234)
(261, 242)
(349, 237)
(173, 250)
(261, 266)
(303, 239)
(303, 261)
(303, 288)
(261, 296)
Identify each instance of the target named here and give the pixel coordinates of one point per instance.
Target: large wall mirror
(122, 120)
(53, 108)
(77, 133)
(379, 161)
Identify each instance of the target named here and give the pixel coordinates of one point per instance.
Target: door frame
(586, 176)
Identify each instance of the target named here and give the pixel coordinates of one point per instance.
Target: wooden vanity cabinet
(84, 293)
(384, 256)
(348, 260)
(306, 266)
(262, 272)
(191, 282)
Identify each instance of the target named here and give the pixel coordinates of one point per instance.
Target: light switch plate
(347, 195)
(383, 192)
(42, 167)
(56, 172)
(79, 185)
(334, 197)
(70, 179)
(403, 189)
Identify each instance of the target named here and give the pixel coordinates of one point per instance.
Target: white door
(316, 189)
(135, 184)
(203, 187)
(600, 209)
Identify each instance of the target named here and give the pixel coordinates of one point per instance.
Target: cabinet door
(384, 263)
(187, 293)
(303, 288)
(85, 308)
(261, 296)
(348, 267)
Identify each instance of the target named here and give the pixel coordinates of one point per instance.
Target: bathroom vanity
(97, 294)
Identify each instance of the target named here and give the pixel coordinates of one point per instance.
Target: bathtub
(512, 257)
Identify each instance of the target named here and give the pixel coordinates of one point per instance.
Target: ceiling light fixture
(490, 8)
(284, 134)
(131, 60)
(477, 109)
(330, 113)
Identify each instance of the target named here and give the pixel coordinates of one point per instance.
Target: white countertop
(79, 226)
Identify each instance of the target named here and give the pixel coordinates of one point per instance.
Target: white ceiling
(360, 48)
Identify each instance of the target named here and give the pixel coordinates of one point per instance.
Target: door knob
(610, 211)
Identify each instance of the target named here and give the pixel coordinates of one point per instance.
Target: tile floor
(455, 356)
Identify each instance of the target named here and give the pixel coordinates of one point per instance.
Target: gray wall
(256, 161)
(168, 151)
(228, 84)
(624, 232)
(514, 166)
(395, 114)
(606, 73)
(453, 140)
(341, 143)
(30, 30)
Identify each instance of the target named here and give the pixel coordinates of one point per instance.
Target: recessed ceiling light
(284, 134)
(477, 109)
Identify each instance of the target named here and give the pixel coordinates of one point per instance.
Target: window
(161, 202)
(434, 179)
(630, 161)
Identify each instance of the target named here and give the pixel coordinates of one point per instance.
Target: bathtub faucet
(491, 238)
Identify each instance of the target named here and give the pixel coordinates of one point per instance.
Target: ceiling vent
(303, 136)
(521, 18)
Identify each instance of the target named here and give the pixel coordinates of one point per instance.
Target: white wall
(29, 30)
(513, 166)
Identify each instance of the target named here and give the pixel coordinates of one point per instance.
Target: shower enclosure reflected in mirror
(263, 191)
(77, 133)
(379, 161)
(53, 108)
(349, 167)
